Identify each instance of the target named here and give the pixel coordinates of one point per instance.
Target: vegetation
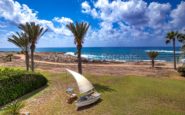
(181, 70)
(182, 39)
(79, 31)
(133, 95)
(13, 109)
(152, 55)
(34, 32)
(140, 95)
(172, 36)
(21, 40)
(15, 83)
(9, 56)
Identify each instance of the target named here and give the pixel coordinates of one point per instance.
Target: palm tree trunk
(32, 60)
(27, 60)
(153, 63)
(174, 54)
(79, 61)
(10, 58)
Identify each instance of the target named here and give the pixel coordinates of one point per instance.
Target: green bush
(181, 70)
(13, 108)
(15, 83)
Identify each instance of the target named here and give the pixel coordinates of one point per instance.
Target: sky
(113, 23)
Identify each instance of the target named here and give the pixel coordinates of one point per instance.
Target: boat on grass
(88, 93)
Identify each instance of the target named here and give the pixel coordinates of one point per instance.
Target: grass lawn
(127, 95)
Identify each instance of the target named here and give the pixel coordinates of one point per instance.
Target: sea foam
(163, 51)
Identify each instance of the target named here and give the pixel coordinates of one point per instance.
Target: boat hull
(95, 98)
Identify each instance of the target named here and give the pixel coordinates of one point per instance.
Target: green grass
(141, 95)
(121, 95)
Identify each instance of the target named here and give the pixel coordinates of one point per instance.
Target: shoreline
(109, 54)
(97, 68)
(63, 57)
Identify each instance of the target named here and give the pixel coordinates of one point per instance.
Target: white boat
(89, 95)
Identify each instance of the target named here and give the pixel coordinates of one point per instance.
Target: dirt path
(130, 68)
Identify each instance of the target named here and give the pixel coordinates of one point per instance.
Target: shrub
(152, 55)
(13, 108)
(15, 83)
(181, 70)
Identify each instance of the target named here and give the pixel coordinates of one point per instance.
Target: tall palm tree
(21, 40)
(79, 31)
(183, 41)
(34, 32)
(152, 55)
(172, 36)
(181, 37)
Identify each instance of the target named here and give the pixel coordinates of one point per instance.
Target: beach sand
(99, 68)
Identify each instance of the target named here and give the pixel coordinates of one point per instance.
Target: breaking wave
(163, 51)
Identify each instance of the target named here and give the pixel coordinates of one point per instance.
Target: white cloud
(178, 15)
(158, 13)
(131, 21)
(119, 10)
(132, 12)
(85, 7)
(15, 12)
(3, 38)
(122, 22)
(63, 20)
(57, 29)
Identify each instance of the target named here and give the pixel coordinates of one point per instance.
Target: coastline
(109, 54)
(98, 67)
(65, 57)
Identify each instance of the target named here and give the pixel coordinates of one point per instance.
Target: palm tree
(152, 55)
(171, 36)
(21, 40)
(79, 31)
(34, 32)
(181, 38)
(183, 41)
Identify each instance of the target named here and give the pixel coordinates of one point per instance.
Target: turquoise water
(114, 53)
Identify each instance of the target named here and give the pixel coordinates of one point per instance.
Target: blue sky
(116, 23)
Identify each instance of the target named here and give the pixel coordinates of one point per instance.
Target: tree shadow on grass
(26, 96)
(31, 94)
(103, 88)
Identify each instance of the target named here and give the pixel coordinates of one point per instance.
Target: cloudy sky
(115, 23)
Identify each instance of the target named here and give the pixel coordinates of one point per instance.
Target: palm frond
(20, 40)
(34, 32)
(170, 36)
(79, 31)
(152, 54)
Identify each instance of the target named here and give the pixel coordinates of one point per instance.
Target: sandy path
(22, 57)
(129, 68)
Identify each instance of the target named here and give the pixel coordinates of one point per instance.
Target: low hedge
(181, 70)
(15, 83)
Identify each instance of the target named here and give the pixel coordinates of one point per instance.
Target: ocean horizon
(113, 53)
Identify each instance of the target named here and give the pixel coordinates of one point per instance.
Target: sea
(120, 54)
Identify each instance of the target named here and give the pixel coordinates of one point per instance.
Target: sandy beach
(98, 67)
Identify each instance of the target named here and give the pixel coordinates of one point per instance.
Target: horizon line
(95, 47)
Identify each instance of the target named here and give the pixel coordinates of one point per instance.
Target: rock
(25, 113)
